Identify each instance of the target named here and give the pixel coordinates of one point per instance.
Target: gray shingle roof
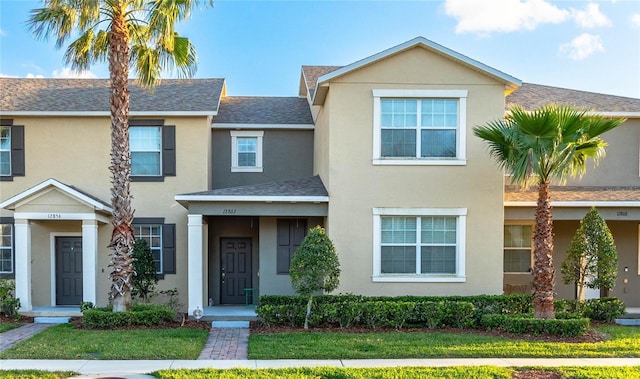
(531, 96)
(312, 73)
(92, 95)
(263, 110)
(312, 186)
(573, 193)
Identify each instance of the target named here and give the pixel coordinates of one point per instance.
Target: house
(380, 152)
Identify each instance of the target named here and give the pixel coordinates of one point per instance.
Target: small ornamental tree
(592, 259)
(314, 267)
(144, 277)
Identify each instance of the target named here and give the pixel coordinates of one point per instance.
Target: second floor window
(246, 151)
(5, 151)
(419, 127)
(146, 149)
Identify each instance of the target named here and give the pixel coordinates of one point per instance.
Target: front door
(236, 269)
(68, 270)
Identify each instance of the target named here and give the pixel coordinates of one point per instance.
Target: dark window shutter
(17, 150)
(169, 248)
(169, 150)
(290, 236)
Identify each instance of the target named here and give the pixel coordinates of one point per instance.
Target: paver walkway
(226, 343)
(13, 336)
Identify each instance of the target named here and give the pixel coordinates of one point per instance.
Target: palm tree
(548, 144)
(125, 33)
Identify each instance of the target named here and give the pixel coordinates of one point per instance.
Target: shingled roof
(263, 110)
(312, 73)
(513, 194)
(51, 96)
(306, 187)
(530, 96)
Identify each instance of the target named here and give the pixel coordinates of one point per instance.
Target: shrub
(86, 305)
(565, 328)
(430, 313)
(9, 304)
(145, 277)
(605, 309)
(140, 314)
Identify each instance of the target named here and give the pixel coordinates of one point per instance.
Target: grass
(9, 325)
(477, 372)
(35, 374)
(623, 342)
(65, 342)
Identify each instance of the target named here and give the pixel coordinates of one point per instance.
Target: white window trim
(9, 151)
(159, 127)
(11, 251)
(530, 223)
(458, 277)
(258, 134)
(461, 131)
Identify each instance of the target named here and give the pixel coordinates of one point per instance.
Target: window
(246, 151)
(152, 147)
(6, 248)
(419, 244)
(291, 232)
(423, 127)
(5, 151)
(517, 248)
(145, 151)
(161, 240)
(11, 150)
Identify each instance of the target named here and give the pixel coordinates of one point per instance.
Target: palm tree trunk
(543, 271)
(122, 237)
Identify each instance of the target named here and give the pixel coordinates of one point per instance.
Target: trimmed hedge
(141, 314)
(526, 323)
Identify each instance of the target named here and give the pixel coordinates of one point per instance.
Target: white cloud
(31, 76)
(486, 16)
(590, 17)
(582, 46)
(635, 19)
(7, 76)
(3, 32)
(69, 73)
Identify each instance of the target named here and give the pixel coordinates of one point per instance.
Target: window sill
(146, 178)
(419, 162)
(246, 169)
(419, 278)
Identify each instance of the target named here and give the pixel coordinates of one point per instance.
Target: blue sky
(259, 46)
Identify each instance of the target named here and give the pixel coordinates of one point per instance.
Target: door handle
(224, 275)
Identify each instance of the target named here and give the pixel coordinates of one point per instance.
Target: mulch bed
(591, 335)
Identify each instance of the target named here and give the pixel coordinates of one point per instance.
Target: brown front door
(68, 270)
(236, 269)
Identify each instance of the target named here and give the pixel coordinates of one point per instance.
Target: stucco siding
(357, 186)
(287, 154)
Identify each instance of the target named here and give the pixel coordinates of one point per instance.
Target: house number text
(54, 216)
(229, 211)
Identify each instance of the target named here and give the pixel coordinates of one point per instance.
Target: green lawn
(9, 325)
(65, 342)
(35, 374)
(624, 342)
(396, 373)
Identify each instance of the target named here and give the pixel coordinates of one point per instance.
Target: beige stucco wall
(620, 165)
(75, 151)
(356, 186)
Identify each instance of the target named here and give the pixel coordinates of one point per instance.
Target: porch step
(230, 324)
(51, 320)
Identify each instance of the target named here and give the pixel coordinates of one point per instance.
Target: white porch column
(89, 260)
(195, 262)
(23, 263)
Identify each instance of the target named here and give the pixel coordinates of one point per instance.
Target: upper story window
(246, 151)
(419, 127)
(153, 150)
(518, 248)
(6, 248)
(11, 150)
(414, 245)
(5, 151)
(145, 145)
